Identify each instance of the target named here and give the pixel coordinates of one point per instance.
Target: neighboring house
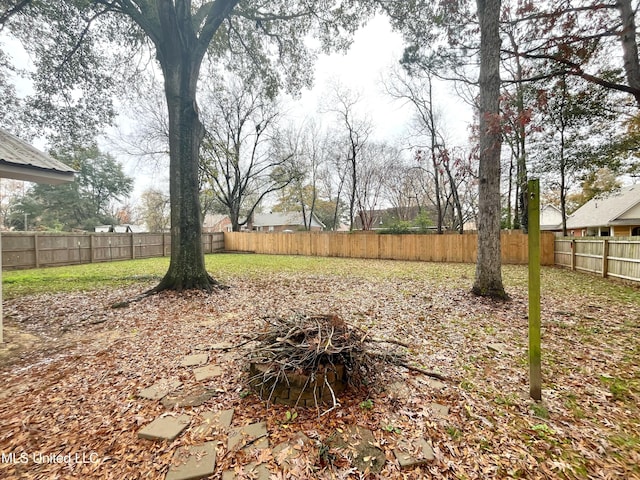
(124, 228)
(551, 218)
(216, 223)
(281, 222)
(21, 161)
(617, 215)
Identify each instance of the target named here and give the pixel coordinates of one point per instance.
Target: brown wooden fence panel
(32, 250)
(607, 256)
(433, 248)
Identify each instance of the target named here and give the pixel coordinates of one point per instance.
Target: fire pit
(307, 360)
(311, 389)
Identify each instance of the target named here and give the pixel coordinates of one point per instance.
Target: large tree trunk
(488, 280)
(630, 46)
(180, 50)
(187, 268)
(180, 61)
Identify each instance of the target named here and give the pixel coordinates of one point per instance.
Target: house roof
(604, 211)
(21, 161)
(550, 218)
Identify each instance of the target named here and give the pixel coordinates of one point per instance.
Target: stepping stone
(213, 420)
(193, 462)
(160, 389)
(398, 390)
(498, 347)
(165, 428)
(412, 454)
(256, 471)
(433, 383)
(440, 411)
(192, 398)
(214, 346)
(360, 444)
(285, 452)
(194, 360)
(254, 436)
(210, 371)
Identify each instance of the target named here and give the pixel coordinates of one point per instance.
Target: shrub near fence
(33, 250)
(428, 247)
(610, 257)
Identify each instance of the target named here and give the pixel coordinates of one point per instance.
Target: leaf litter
(73, 391)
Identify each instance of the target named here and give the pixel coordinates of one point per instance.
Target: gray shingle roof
(21, 161)
(599, 212)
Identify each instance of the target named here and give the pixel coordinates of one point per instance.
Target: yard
(73, 367)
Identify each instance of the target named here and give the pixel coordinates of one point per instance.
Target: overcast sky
(375, 50)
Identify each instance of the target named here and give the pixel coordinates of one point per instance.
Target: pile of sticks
(304, 343)
(309, 343)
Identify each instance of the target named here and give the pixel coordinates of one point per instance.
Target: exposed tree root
(210, 285)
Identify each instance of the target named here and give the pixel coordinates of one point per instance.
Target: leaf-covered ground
(73, 366)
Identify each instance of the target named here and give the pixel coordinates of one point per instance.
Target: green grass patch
(227, 267)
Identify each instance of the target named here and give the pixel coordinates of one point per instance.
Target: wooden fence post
(36, 250)
(535, 375)
(605, 257)
(573, 253)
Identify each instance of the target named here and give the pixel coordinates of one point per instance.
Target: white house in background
(21, 161)
(550, 218)
(282, 221)
(616, 215)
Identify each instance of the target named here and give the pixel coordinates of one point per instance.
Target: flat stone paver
(398, 390)
(160, 389)
(204, 373)
(284, 453)
(412, 454)
(498, 347)
(254, 434)
(360, 441)
(256, 471)
(192, 398)
(433, 383)
(165, 428)
(213, 421)
(441, 411)
(194, 360)
(214, 346)
(193, 462)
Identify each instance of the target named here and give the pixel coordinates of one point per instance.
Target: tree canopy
(83, 204)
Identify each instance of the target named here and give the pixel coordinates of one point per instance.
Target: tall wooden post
(535, 374)
(1, 317)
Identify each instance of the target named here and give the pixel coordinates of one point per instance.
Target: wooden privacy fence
(609, 257)
(33, 250)
(428, 247)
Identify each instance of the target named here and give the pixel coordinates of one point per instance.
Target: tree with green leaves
(576, 120)
(154, 210)
(89, 201)
(69, 39)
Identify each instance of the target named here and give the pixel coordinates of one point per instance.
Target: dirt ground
(72, 367)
